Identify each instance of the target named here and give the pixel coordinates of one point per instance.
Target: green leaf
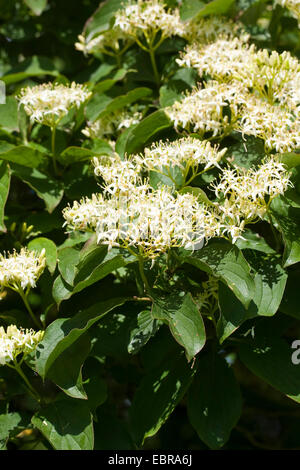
(190, 8)
(5, 146)
(68, 258)
(38, 244)
(168, 95)
(48, 189)
(146, 328)
(61, 290)
(270, 280)
(232, 313)
(35, 66)
(197, 9)
(65, 371)
(172, 176)
(107, 84)
(79, 154)
(201, 195)
(184, 320)
(217, 7)
(96, 105)
(290, 300)
(226, 261)
(253, 241)
(270, 358)
(98, 263)
(288, 222)
(145, 130)
(160, 391)
(214, 401)
(101, 19)
(248, 153)
(10, 425)
(66, 424)
(25, 156)
(9, 114)
(4, 190)
(124, 100)
(290, 159)
(63, 332)
(37, 6)
(96, 388)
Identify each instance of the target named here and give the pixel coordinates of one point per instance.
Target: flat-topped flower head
(276, 125)
(15, 341)
(83, 215)
(21, 270)
(146, 17)
(206, 30)
(272, 75)
(202, 110)
(120, 176)
(185, 153)
(276, 77)
(151, 220)
(50, 102)
(248, 193)
(226, 59)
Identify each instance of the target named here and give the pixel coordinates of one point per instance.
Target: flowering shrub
(150, 224)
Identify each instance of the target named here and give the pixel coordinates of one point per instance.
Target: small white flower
(148, 17)
(225, 59)
(206, 30)
(151, 220)
(21, 269)
(248, 193)
(120, 176)
(202, 110)
(15, 341)
(185, 153)
(278, 126)
(50, 102)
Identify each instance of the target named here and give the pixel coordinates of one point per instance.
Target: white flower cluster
(83, 215)
(248, 193)
(293, 6)
(152, 221)
(267, 90)
(185, 153)
(120, 176)
(50, 102)
(276, 77)
(224, 59)
(279, 128)
(206, 30)
(113, 123)
(21, 269)
(15, 341)
(202, 110)
(269, 73)
(148, 17)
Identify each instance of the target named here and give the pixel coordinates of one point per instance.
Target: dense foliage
(149, 224)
